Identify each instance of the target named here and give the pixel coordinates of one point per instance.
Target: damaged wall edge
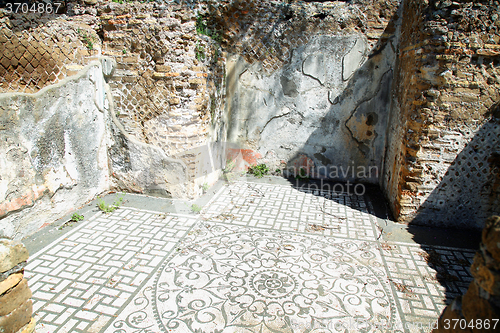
(56, 153)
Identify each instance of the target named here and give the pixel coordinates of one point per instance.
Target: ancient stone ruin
(154, 97)
(161, 98)
(481, 302)
(15, 296)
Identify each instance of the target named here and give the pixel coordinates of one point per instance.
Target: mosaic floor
(259, 258)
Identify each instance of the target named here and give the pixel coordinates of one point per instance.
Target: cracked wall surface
(329, 103)
(53, 152)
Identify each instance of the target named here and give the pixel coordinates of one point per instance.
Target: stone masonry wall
(441, 164)
(269, 31)
(16, 306)
(168, 87)
(309, 83)
(157, 122)
(42, 49)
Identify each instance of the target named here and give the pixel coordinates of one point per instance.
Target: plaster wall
(329, 103)
(53, 151)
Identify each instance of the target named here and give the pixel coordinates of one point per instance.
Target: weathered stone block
(11, 254)
(121, 17)
(108, 66)
(157, 75)
(28, 328)
(17, 319)
(10, 281)
(475, 304)
(197, 81)
(14, 297)
(487, 278)
(491, 236)
(486, 52)
(163, 68)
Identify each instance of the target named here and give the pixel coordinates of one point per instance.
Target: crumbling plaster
(330, 102)
(54, 151)
(59, 147)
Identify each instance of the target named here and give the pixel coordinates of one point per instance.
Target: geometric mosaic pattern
(80, 282)
(423, 277)
(240, 279)
(259, 258)
(294, 209)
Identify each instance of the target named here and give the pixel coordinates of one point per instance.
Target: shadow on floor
(466, 196)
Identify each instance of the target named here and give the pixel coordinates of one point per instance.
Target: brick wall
(169, 88)
(268, 31)
(441, 167)
(39, 50)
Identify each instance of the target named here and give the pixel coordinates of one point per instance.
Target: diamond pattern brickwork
(268, 31)
(35, 56)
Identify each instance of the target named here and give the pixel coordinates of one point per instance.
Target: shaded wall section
(441, 137)
(469, 191)
(321, 105)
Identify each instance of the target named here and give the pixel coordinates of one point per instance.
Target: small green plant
(124, 51)
(203, 29)
(199, 52)
(109, 208)
(258, 171)
(302, 174)
(216, 37)
(88, 40)
(201, 25)
(76, 217)
(195, 208)
(205, 187)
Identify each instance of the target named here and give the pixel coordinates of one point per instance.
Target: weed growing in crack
(203, 29)
(88, 40)
(259, 171)
(199, 52)
(74, 218)
(109, 208)
(195, 208)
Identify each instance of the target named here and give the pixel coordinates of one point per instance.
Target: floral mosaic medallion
(229, 279)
